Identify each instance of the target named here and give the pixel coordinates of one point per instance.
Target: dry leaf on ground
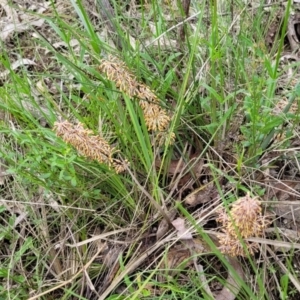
(182, 232)
(19, 21)
(202, 195)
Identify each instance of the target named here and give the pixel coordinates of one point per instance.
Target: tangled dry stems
(244, 220)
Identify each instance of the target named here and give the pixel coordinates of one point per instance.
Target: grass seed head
(156, 118)
(244, 220)
(235, 247)
(116, 71)
(87, 144)
(246, 216)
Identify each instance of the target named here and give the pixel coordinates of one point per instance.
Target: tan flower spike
(156, 118)
(244, 220)
(116, 71)
(88, 145)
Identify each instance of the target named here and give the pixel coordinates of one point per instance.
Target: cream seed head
(243, 221)
(87, 144)
(156, 118)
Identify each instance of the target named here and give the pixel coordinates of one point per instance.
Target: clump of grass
(212, 82)
(244, 220)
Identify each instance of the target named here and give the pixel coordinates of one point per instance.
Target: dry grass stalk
(244, 220)
(88, 145)
(156, 118)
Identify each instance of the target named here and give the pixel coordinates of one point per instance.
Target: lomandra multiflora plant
(156, 118)
(89, 145)
(244, 220)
